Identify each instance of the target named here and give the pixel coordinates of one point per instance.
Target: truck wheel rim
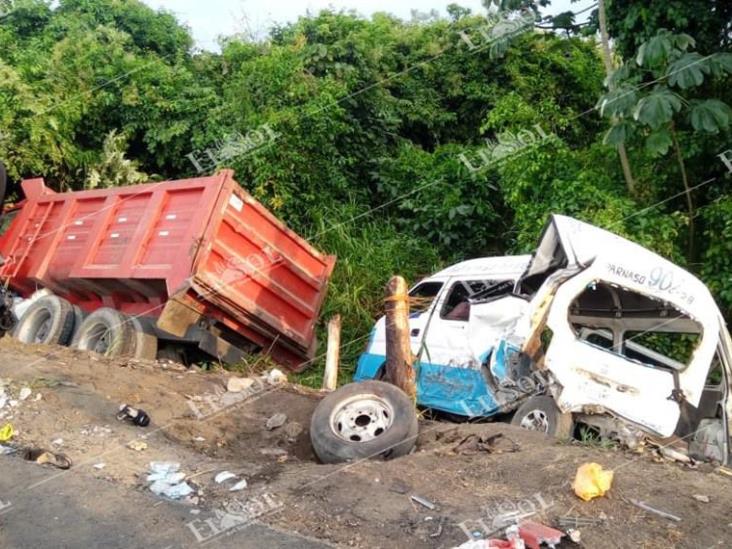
(43, 328)
(361, 418)
(535, 420)
(99, 340)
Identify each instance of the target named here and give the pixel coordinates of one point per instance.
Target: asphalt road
(73, 511)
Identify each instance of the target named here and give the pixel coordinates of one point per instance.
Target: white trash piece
(224, 476)
(167, 481)
(239, 384)
(276, 377)
(238, 486)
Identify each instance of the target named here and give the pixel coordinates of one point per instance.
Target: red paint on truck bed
(205, 241)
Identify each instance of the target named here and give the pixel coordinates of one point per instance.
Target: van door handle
(414, 332)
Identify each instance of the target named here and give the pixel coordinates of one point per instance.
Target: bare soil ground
(365, 504)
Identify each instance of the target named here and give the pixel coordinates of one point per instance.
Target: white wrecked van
(591, 329)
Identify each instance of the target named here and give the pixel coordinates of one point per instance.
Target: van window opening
(462, 292)
(422, 296)
(636, 326)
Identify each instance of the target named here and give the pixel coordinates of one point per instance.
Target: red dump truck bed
(198, 256)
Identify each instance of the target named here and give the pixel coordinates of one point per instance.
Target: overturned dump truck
(168, 269)
(590, 332)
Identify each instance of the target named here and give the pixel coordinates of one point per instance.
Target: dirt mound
(469, 481)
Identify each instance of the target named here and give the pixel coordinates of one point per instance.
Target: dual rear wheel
(52, 320)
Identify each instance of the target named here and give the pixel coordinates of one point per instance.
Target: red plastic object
(534, 534)
(203, 243)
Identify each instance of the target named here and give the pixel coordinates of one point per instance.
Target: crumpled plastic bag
(592, 481)
(7, 432)
(167, 481)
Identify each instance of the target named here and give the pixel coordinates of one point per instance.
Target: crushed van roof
(512, 266)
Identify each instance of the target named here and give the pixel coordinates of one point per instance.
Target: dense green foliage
(370, 119)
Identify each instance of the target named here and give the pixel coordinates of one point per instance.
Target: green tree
(661, 95)
(633, 22)
(113, 169)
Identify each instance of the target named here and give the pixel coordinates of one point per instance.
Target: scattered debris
(7, 432)
(162, 468)
(493, 544)
(5, 450)
(503, 520)
(41, 457)
(425, 502)
(592, 481)
(100, 466)
(224, 476)
(276, 421)
(25, 392)
(96, 430)
(167, 481)
(440, 527)
(277, 452)
(472, 444)
(137, 445)
(174, 491)
(576, 522)
(701, 498)
(238, 486)
(293, 429)
(675, 455)
(133, 415)
(58, 442)
(658, 512)
(512, 541)
(534, 534)
(239, 384)
(575, 535)
(276, 377)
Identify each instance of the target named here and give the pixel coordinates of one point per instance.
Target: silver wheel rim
(536, 420)
(99, 339)
(361, 418)
(44, 328)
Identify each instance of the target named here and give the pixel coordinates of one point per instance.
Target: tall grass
(370, 250)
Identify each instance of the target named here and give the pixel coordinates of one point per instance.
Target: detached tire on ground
(49, 321)
(108, 333)
(370, 419)
(540, 413)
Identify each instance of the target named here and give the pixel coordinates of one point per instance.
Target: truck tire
(369, 419)
(540, 413)
(8, 321)
(48, 321)
(108, 333)
(79, 317)
(146, 342)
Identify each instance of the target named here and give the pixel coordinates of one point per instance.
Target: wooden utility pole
(332, 357)
(399, 358)
(608, 60)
